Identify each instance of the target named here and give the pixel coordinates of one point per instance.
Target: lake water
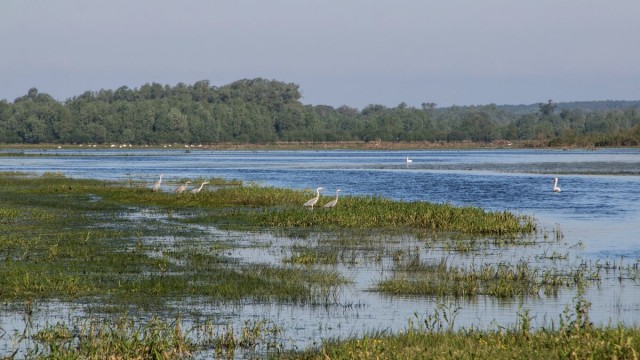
(597, 211)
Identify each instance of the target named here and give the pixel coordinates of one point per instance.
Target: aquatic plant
(120, 247)
(375, 212)
(71, 239)
(433, 338)
(124, 338)
(416, 278)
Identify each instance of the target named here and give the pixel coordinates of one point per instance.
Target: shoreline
(306, 145)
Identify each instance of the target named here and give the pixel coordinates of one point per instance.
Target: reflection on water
(597, 213)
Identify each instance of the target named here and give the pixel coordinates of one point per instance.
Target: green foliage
(375, 212)
(265, 111)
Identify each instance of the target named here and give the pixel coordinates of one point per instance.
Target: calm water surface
(597, 211)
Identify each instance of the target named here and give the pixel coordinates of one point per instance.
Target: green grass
(416, 278)
(122, 248)
(124, 338)
(574, 337)
(374, 212)
(591, 343)
(70, 239)
(318, 256)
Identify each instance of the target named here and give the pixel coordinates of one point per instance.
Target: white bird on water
(333, 202)
(314, 200)
(197, 190)
(408, 160)
(181, 188)
(156, 186)
(556, 188)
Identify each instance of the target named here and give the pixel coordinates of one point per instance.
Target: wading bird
(181, 188)
(313, 201)
(333, 202)
(556, 188)
(156, 186)
(197, 190)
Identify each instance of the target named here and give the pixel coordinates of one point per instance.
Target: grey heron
(197, 190)
(333, 202)
(181, 188)
(156, 186)
(314, 200)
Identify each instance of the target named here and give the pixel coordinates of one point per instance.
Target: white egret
(333, 202)
(556, 188)
(156, 186)
(313, 201)
(197, 190)
(181, 188)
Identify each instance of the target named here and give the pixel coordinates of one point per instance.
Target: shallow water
(597, 212)
(515, 180)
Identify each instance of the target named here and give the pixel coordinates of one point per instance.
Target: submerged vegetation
(136, 261)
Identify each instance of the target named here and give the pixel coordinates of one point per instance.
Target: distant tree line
(265, 111)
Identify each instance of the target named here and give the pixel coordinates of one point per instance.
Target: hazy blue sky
(347, 52)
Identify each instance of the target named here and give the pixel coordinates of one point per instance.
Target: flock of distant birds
(310, 203)
(180, 188)
(183, 187)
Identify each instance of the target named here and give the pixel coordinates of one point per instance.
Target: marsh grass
(434, 337)
(276, 207)
(124, 338)
(414, 277)
(121, 247)
(310, 256)
(375, 212)
(591, 343)
(71, 239)
(352, 247)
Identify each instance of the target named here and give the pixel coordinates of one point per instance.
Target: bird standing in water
(197, 190)
(314, 200)
(180, 189)
(333, 202)
(556, 188)
(156, 186)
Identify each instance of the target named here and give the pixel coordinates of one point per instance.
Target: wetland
(94, 262)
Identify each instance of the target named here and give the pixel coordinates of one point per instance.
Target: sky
(346, 52)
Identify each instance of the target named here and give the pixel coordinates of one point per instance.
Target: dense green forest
(266, 111)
